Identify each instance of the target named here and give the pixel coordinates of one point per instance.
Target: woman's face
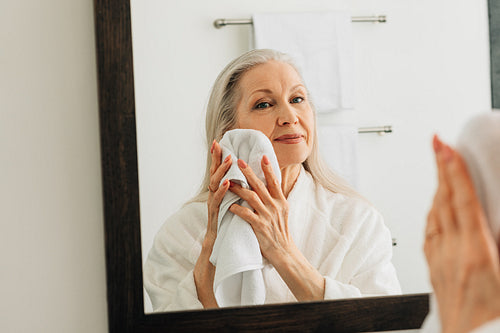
(274, 101)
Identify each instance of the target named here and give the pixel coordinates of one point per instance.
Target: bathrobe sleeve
(366, 269)
(168, 270)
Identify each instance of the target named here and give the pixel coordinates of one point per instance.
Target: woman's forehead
(269, 74)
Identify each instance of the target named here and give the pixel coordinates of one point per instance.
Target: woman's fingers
(433, 229)
(461, 184)
(273, 185)
(217, 176)
(217, 169)
(217, 191)
(216, 153)
(433, 241)
(221, 191)
(440, 215)
(464, 254)
(245, 213)
(445, 215)
(255, 183)
(464, 199)
(430, 235)
(250, 197)
(214, 202)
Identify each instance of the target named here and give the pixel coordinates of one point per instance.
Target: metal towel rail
(219, 23)
(379, 129)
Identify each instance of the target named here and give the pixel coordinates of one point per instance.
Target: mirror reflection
(320, 239)
(404, 73)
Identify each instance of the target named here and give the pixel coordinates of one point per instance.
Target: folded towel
(321, 45)
(236, 253)
(479, 144)
(338, 145)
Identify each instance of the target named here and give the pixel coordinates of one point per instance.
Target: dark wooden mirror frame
(122, 218)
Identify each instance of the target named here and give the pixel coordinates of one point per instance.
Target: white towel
(338, 145)
(479, 144)
(321, 45)
(236, 253)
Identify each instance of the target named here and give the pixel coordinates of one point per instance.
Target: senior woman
(320, 238)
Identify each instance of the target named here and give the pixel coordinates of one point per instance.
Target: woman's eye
(262, 105)
(297, 100)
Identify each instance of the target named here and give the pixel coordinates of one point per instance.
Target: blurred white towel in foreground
(338, 145)
(321, 45)
(479, 144)
(236, 253)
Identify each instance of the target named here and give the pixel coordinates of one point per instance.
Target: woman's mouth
(290, 138)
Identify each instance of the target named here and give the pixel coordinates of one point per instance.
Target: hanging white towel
(236, 253)
(321, 45)
(338, 145)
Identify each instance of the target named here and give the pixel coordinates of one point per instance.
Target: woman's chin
(289, 160)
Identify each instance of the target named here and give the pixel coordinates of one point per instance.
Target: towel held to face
(236, 254)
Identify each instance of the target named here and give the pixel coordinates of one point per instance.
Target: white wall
(426, 70)
(51, 244)
(51, 241)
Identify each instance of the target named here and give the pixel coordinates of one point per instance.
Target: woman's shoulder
(189, 215)
(183, 227)
(348, 215)
(197, 208)
(341, 203)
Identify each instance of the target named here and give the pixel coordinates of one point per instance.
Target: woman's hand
(269, 221)
(204, 271)
(460, 250)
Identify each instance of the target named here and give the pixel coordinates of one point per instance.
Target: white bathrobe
(344, 238)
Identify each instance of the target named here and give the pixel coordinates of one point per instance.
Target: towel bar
(219, 23)
(380, 129)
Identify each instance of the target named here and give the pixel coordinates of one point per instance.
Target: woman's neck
(289, 175)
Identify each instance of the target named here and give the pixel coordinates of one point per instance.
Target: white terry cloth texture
(321, 45)
(236, 253)
(479, 144)
(338, 145)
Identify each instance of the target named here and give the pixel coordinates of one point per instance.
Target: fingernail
(231, 184)
(228, 157)
(242, 164)
(266, 160)
(224, 183)
(212, 148)
(436, 144)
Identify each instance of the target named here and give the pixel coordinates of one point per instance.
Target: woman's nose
(287, 115)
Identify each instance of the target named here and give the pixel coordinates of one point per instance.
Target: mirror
(405, 73)
(121, 197)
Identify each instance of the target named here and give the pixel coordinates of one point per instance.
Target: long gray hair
(221, 117)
